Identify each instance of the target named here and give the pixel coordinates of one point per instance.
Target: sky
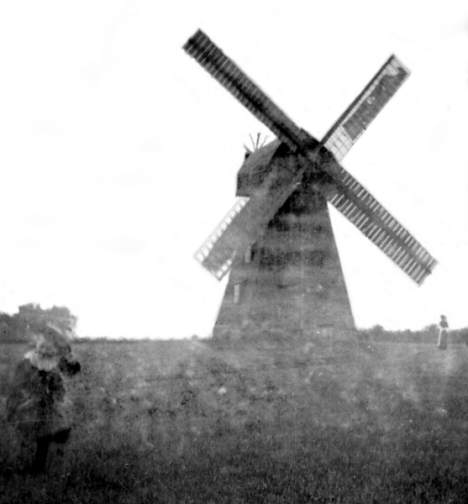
(118, 152)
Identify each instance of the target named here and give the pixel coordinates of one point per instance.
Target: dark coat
(36, 404)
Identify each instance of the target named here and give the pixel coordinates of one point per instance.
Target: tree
(30, 317)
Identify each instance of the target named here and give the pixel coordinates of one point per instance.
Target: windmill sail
(225, 71)
(377, 224)
(217, 252)
(357, 117)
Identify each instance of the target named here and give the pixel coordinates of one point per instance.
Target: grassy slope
(291, 421)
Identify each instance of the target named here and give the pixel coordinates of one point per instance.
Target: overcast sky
(119, 153)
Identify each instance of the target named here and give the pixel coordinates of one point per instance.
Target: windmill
(277, 238)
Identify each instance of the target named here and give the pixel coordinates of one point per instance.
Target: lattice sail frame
(203, 253)
(363, 110)
(247, 218)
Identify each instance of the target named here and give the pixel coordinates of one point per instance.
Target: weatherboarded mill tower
(277, 239)
(291, 278)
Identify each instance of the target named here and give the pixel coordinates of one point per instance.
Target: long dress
(443, 335)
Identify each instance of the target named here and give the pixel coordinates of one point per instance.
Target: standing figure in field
(37, 403)
(443, 333)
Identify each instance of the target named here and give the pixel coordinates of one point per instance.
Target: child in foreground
(37, 403)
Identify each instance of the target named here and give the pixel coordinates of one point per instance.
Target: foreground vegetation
(259, 421)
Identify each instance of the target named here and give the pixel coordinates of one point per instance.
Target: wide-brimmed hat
(53, 336)
(45, 355)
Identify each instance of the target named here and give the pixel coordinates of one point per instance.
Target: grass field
(270, 422)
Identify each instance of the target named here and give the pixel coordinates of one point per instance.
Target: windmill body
(277, 237)
(291, 278)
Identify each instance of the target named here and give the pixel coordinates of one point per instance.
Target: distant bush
(18, 327)
(102, 339)
(428, 334)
